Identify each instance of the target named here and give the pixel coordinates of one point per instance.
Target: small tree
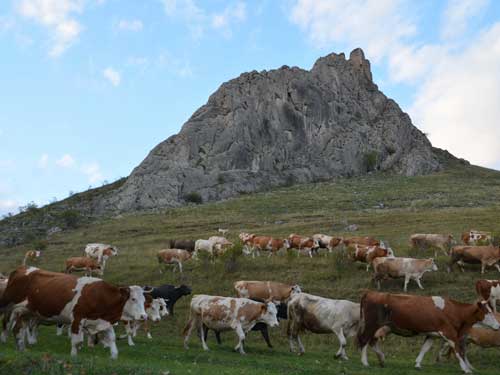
(370, 161)
(70, 218)
(193, 197)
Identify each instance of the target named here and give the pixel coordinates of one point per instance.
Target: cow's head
(99, 270)
(163, 306)
(37, 254)
(269, 315)
(334, 242)
(315, 244)
(154, 310)
(184, 289)
(134, 303)
(485, 316)
(295, 290)
(286, 243)
(432, 265)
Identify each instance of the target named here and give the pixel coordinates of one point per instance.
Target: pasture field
(387, 207)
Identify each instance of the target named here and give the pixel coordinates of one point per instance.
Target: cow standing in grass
(101, 252)
(173, 256)
(444, 242)
(367, 254)
(88, 265)
(476, 237)
(489, 290)
(484, 255)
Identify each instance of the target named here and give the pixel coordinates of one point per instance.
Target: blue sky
(89, 87)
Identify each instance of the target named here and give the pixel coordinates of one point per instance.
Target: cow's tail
(15, 293)
(368, 319)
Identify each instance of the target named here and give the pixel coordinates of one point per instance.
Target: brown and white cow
(307, 312)
(276, 244)
(32, 255)
(265, 291)
(258, 244)
(101, 252)
(246, 239)
(489, 290)
(366, 254)
(366, 241)
(227, 313)
(436, 241)
(305, 245)
(86, 304)
(399, 267)
(484, 255)
(327, 242)
(173, 256)
(88, 265)
(410, 315)
(155, 309)
(476, 237)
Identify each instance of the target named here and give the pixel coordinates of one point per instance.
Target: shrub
(70, 218)
(230, 258)
(193, 197)
(39, 244)
(221, 179)
(370, 161)
(29, 208)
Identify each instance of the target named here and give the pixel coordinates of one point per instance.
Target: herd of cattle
(30, 296)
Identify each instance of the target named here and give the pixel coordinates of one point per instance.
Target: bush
(29, 208)
(221, 179)
(370, 161)
(230, 258)
(70, 218)
(39, 244)
(193, 197)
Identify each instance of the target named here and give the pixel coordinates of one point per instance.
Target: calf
(321, 315)
(265, 291)
(398, 267)
(173, 256)
(101, 252)
(227, 313)
(408, 315)
(182, 244)
(32, 256)
(476, 237)
(85, 303)
(327, 242)
(485, 255)
(366, 241)
(489, 290)
(170, 294)
(367, 254)
(88, 265)
(436, 241)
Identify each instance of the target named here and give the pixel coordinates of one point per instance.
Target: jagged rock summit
(272, 128)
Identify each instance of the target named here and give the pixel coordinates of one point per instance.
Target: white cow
(211, 247)
(155, 311)
(321, 315)
(227, 313)
(399, 267)
(101, 252)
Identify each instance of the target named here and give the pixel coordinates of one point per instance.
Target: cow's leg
(265, 335)
(367, 267)
(417, 279)
(76, 336)
(364, 356)
(378, 284)
(59, 329)
(483, 266)
(454, 344)
(180, 266)
(130, 332)
(202, 337)
(342, 340)
(407, 280)
(425, 348)
(109, 340)
(32, 332)
(302, 350)
(5, 331)
(241, 339)
(187, 331)
(380, 354)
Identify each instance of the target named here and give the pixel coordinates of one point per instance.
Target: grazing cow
(436, 241)
(306, 244)
(32, 256)
(485, 255)
(227, 313)
(85, 303)
(173, 256)
(399, 267)
(88, 265)
(366, 254)
(210, 247)
(409, 315)
(101, 252)
(321, 315)
(155, 309)
(265, 291)
(169, 293)
(262, 327)
(182, 244)
(327, 242)
(366, 241)
(476, 237)
(489, 290)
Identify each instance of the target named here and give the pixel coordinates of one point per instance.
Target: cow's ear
(125, 291)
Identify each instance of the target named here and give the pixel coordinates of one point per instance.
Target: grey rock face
(276, 128)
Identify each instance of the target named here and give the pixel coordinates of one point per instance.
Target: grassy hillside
(449, 202)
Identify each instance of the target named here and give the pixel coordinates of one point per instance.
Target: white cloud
(57, 16)
(8, 205)
(232, 14)
(189, 12)
(113, 76)
(66, 161)
(43, 162)
(376, 25)
(130, 25)
(93, 172)
(458, 104)
(457, 15)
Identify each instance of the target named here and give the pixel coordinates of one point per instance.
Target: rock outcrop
(278, 127)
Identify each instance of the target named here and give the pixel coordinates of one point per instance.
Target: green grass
(450, 202)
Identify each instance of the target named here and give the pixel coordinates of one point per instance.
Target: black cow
(182, 244)
(262, 327)
(170, 294)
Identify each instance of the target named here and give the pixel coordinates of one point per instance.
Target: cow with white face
(227, 313)
(155, 309)
(86, 304)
